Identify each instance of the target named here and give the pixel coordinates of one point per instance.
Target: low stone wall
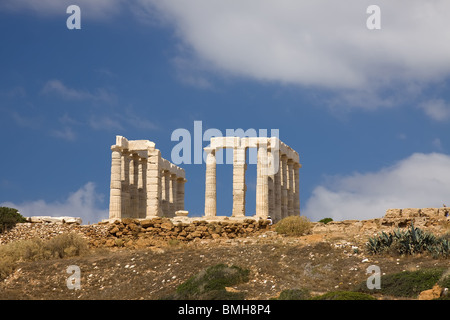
(133, 230)
(435, 220)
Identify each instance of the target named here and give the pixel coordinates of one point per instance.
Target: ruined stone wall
(139, 232)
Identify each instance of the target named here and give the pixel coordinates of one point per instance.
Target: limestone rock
(431, 294)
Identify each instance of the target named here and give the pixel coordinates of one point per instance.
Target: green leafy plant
(325, 220)
(9, 217)
(409, 242)
(407, 284)
(210, 283)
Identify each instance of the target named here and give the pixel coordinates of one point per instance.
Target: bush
(344, 295)
(293, 226)
(210, 283)
(409, 242)
(61, 246)
(407, 283)
(9, 217)
(326, 220)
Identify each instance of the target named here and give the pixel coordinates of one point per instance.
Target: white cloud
(83, 203)
(57, 87)
(436, 109)
(419, 181)
(321, 43)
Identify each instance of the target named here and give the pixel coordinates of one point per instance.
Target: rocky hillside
(148, 259)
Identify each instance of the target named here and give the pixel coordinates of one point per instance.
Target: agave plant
(409, 242)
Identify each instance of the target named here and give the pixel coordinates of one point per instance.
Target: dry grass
(294, 226)
(61, 246)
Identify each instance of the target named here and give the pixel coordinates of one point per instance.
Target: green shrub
(344, 295)
(9, 217)
(406, 284)
(294, 294)
(210, 283)
(326, 220)
(409, 242)
(293, 226)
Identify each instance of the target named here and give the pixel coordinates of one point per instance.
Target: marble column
(290, 169)
(133, 183)
(271, 183)
(210, 183)
(115, 199)
(277, 191)
(284, 183)
(142, 168)
(262, 182)
(165, 192)
(125, 177)
(153, 184)
(239, 187)
(297, 166)
(173, 195)
(180, 193)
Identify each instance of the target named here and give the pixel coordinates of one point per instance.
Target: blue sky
(367, 110)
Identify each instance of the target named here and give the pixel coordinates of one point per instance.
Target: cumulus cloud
(419, 181)
(84, 203)
(320, 43)
(437, 109)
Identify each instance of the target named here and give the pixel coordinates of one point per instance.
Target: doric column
(133, 182)
(173, 195)
(125, 177)
(290, 169)
(262, 179)
(271, 183)
(210, 183)
(277, 192)
(284, 183)
(165, 192)
(297, 166)
(115, 198)
(180, 193)
(153, 184)
(142, 183)
(239, 187)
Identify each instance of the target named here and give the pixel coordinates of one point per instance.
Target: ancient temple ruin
(277, 184)
(143, 184)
